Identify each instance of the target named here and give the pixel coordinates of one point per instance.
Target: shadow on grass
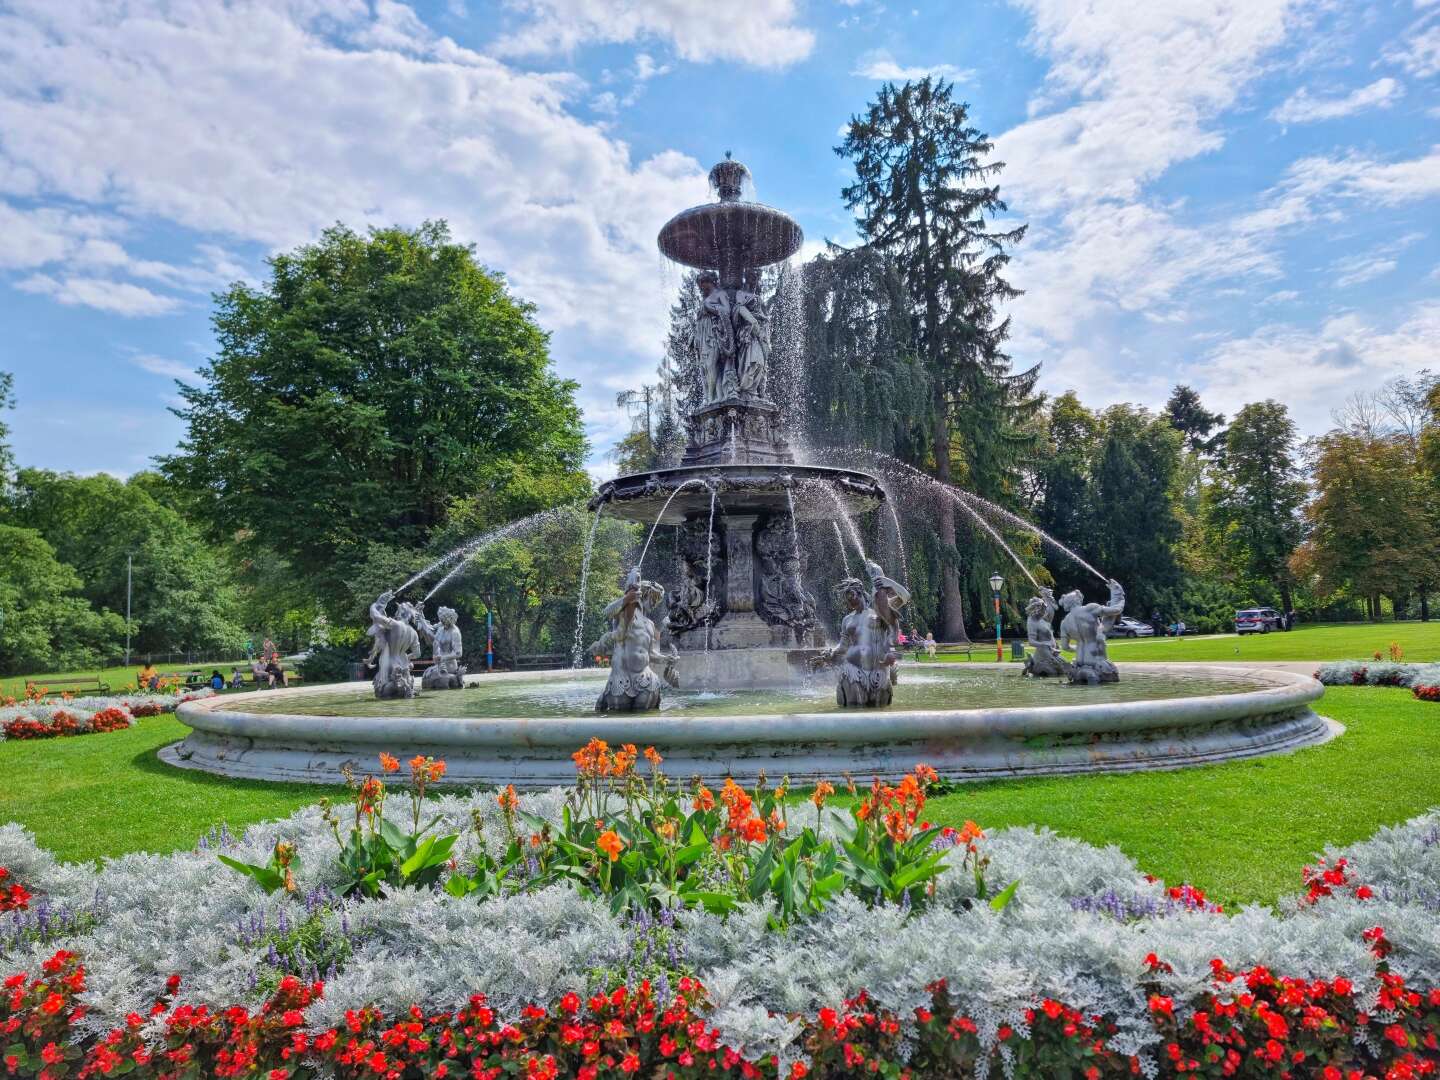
(148, 761)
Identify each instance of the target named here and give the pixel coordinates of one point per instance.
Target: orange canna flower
(926, 775)
(653, 756)
(437, 770)
(610, 843)
(666, 829)
(507, 799)
(389, 762)
(776, 822)
(704, 798)
(823, 790)
(753, 830)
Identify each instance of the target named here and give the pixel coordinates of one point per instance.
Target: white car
(1125, 626)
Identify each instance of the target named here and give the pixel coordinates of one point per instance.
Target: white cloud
(879, 64)
(1313, 369)
(287, 123)
(1358, 269)
(1132, 89)
(118, 297)
(761, 33)
(1368, 265)
(1418, 52)
(1126, 258)
(1357, 176)
(1301, 108)
(159, 365)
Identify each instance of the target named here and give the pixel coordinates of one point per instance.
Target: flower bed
(1423, 680)
(34, 718)
(494, 961)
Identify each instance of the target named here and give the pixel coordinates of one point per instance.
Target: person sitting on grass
(148, 679)
(237, 678)
(217, 681)
(930, 644)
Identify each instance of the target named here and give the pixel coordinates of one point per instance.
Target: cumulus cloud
(1302, 108)
(879, 64)
(104, 294)
(298, 113)
(1418, 51)
(159, 365)
(1316, 367)
(761, 33)
(1132, 89)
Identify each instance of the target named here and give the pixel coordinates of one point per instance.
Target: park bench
(955, 648)
(68, 686)
(540, 661)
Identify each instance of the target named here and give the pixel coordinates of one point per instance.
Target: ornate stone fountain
(738, 492)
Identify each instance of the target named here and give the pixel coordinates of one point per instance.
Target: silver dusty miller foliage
(137, 919)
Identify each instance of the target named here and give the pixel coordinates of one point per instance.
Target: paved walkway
(1303, 667)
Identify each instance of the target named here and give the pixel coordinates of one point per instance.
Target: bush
(329, 663)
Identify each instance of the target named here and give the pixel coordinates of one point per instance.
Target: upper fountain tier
(733, 237)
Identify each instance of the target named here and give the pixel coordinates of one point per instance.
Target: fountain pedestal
(741, 617)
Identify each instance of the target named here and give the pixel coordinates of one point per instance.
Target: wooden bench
(541, 661)
(955, 648)
(47, 688)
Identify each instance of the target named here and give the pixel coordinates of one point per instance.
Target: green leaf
(459, 885)
(1007, 894)
(715, 903)
(270, 880)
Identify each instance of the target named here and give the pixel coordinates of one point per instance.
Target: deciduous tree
(1255, 498)
(369, 382)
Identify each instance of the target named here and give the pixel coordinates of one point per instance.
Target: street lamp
(996, 584)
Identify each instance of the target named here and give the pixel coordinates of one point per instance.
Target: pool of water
(562, 694)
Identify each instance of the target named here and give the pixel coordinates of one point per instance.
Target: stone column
(740, 562)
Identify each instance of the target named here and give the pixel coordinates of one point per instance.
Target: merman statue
(1084, 629)
(1044, 660)
(866, 653)
(395, 645)
(444, 672)
(633, 645)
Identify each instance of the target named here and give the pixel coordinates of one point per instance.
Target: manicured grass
(1239, 831)
(1331, 641)
(109, 794)
(1335, 641)
(121, 679)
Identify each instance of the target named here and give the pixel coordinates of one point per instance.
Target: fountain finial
(727, 178)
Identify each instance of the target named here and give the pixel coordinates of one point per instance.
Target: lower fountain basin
(971, 722)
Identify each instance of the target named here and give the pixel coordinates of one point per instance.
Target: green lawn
(1335, 641)
(121, 679)
(1240, 831)
(109, 794)
(1327, 641)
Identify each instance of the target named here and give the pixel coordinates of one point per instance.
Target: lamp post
(996, 584)
(129, 570)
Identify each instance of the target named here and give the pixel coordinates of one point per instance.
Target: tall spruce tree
(1189, 417)
(924, 197)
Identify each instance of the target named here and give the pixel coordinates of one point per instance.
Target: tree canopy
(368, 383)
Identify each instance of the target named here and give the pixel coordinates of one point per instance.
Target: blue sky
(1238, 194)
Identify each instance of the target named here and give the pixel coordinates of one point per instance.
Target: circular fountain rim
(962, 743)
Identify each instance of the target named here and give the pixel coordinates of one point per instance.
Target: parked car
(1125, 626)
(1259, 620)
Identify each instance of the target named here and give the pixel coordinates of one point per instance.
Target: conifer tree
(924, 196)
